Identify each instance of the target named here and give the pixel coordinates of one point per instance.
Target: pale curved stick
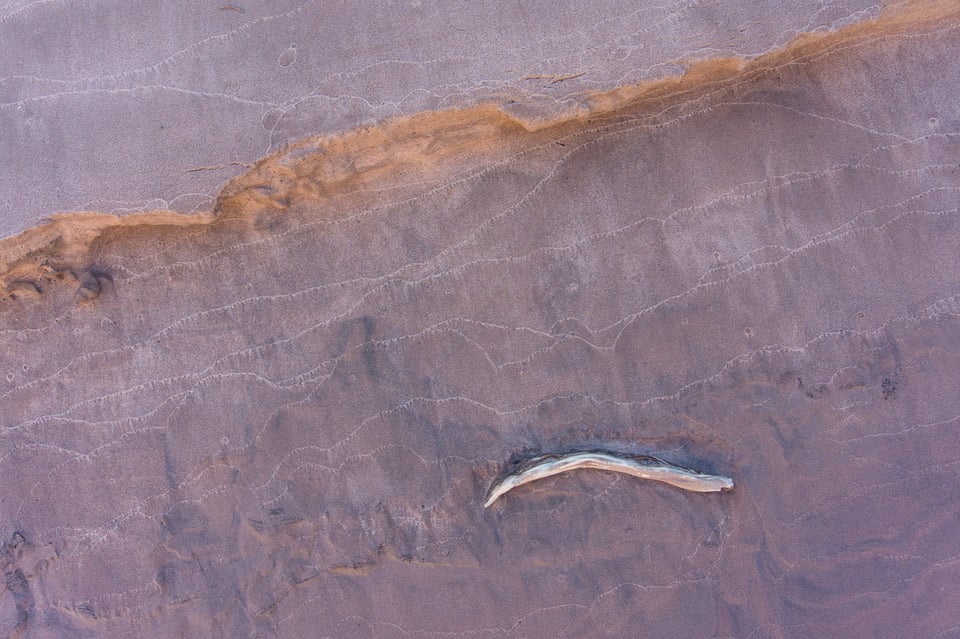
(642, 466)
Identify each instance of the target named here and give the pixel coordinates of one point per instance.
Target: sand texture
(273, 409)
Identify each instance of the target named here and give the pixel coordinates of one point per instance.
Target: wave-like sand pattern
(279, 418)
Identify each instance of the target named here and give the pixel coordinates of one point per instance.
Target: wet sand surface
(279, 418)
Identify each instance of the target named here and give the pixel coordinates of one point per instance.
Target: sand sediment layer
(280, 419)
(401, 155)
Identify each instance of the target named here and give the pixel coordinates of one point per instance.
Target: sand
(277, 415)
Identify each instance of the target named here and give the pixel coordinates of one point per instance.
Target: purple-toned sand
(344, 265)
